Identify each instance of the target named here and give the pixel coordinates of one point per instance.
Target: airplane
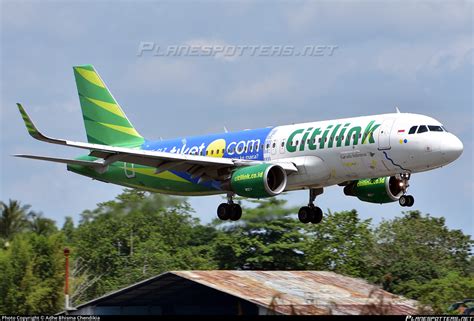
(371, 157)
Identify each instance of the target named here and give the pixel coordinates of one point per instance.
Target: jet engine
(376, 190)
(258, 181)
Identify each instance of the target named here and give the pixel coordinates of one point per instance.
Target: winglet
(32, 130)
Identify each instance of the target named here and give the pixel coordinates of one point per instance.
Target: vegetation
(139, 235)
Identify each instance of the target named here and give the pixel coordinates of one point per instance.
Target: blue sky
(414, 55)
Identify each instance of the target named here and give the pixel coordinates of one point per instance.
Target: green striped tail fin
(104, 120)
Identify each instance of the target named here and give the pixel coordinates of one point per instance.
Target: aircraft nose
(451, 148)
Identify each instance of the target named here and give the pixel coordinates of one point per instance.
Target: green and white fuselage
(361, 153)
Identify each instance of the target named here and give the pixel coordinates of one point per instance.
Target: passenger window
(435, 128)
(412, 130)
(422, 129)
(273, 146)
(282, 144)
(268, 146)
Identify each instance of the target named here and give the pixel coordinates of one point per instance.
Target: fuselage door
(384, 133)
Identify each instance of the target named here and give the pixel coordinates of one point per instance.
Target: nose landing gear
(406, 200)
(311, 213)
(230, 210)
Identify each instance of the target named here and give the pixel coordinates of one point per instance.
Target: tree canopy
(138, 235)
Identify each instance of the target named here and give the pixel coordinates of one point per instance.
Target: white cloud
(270, 88)
(454, 55)
(406, 60)
(389, 18)
(214, 45)
(159, 74)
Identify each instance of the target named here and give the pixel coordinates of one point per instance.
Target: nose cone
(451, 148)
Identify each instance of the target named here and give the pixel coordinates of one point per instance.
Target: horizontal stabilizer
(63, 160)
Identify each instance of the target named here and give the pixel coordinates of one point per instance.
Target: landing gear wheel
(317, 216)
(236, 212)
(403, 201)
(224, 211)
(304, 214)
(406, 200)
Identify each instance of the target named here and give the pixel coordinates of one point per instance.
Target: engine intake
(376, 190)
(259, 181)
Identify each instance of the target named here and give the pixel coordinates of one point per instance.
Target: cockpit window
(433, 128)
(412, 130)
(422, 129)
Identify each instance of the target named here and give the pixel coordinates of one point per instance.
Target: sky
(417, 56)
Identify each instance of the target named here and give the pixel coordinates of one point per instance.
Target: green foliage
(68, 229)
(13, 219)
(266, 238)
(417, 248)
(139, 235)
(440, 293)
(32, 275)
(341, 243)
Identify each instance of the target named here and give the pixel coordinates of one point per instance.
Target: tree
(32, 275)
(139, 235)
(417, 248)
(13, 219)
(266, 238)
(41, 225)
(440, 293)
(68, 229)
(341, 243)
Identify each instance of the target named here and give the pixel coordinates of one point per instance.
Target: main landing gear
(405, 200)
(230, 210)
(311, 213)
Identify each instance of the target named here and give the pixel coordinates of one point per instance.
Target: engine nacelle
(376, 190)
(258, 181)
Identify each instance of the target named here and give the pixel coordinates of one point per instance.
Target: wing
(198, 166)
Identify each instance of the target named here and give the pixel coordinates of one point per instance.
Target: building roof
(286, 292)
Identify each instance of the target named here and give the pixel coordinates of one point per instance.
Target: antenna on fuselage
(225, 130)
(398, 110)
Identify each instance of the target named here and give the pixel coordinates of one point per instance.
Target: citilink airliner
(371, 157)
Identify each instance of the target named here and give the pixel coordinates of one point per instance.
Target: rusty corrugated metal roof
(304, 292)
